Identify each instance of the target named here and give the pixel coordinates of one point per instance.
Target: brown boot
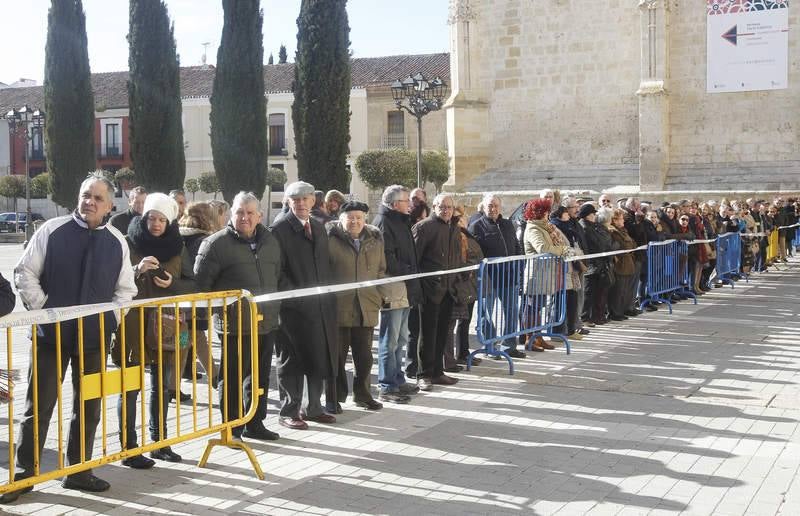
(536, 345)
(546, 345)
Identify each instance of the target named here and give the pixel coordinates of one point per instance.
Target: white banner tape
(51, 315)
(67, 313)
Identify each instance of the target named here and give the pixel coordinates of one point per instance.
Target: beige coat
(537, 240)
(357, 307)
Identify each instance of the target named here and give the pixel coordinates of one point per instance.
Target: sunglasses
(684, 220)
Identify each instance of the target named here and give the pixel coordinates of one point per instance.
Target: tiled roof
(110, 89)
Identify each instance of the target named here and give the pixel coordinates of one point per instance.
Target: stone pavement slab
(689, 413)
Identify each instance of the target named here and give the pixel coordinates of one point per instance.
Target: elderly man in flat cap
(310, 346)
(357, 255)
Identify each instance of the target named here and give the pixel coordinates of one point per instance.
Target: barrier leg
(228, 441)
(560, 337)
(489, 350)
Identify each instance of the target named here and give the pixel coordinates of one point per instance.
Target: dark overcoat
(309, 322)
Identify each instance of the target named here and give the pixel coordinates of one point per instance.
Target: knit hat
(586, 210)
(161, 203)
(354, 206)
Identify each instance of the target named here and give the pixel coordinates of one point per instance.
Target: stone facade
(542, 89)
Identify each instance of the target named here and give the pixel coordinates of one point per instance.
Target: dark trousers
(159, 395)
(291, 387)
(413, 340)
(596, 302)
(359, 339)
(570, 323)
(434, 324)
(240, 395)
(48, 396)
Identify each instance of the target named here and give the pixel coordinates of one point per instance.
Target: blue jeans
(391, 345)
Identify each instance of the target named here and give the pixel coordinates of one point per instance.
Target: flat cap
(354, 206)
(299, 189)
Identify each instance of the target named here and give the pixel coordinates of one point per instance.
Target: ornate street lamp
(419, 96)
(19, 121)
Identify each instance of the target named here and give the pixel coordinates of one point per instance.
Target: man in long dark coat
(309, 347)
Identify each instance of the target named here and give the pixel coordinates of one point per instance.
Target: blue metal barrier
(729, 257)
(682, 248)
(796, 239)
(662, 273)
(519, 296)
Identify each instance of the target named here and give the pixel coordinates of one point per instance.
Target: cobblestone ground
(693, 413)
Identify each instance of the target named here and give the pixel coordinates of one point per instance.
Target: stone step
(782, 168)
(565, 178)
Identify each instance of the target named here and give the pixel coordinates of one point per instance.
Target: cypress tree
(154, 99)
(270, 60)
(321, 109)
(282, 54)
(238, 105)
(68, 101)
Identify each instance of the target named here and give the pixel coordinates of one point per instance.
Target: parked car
(8, 221)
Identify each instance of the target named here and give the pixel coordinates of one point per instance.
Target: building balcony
(110, 153)
(394, 141)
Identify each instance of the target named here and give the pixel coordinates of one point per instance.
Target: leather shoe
(12, 496)
(138, 462)
(454, 369)
(408, 388)
(325, 419)
(293, 423)
(584, 331)
(334, 409)
(633, 313)
(166, 454)
(618, 318)
(547, 345)
(425, 384)
(394, 397)
(85, 482)
(370, 404)
(475, 361)
(515, 353)
(260, 432)
(444, 380)
(651, 308)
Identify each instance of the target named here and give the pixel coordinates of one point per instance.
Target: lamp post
(19, 121)
(419, 96)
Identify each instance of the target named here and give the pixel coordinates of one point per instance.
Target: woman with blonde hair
(199, 221)
(220, 210)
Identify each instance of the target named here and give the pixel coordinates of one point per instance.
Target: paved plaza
(694, 412)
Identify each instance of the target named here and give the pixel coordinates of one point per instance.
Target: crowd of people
(162, 246)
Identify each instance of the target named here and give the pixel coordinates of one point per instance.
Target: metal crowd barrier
(682, 248)
(183, 423)
(729, 257)
(521, 295)
(662, 273)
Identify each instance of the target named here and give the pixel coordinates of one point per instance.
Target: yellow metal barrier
(130, 377)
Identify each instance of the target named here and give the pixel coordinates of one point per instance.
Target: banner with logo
(747, 45)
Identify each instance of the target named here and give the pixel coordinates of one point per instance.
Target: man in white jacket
(72, 260)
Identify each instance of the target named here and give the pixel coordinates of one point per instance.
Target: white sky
(377, 28)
